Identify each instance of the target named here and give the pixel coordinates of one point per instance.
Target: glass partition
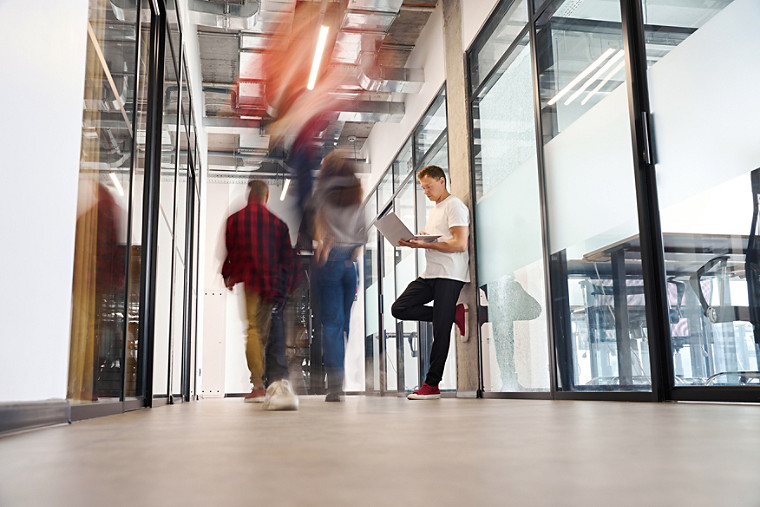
(508, 20)
(597, 286)
(389, 375)
(511, 279)
(97, 346)
(135, 376)
(384, 190)
(372, 333)
(403, 164)
(708, 175)
(165, 249)
(431, 126)
(407, 346)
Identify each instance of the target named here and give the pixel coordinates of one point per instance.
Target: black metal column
(652, 255)
(151, 201)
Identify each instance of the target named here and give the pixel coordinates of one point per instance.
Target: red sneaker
(460, 317)
(257, 395)
(426, 392)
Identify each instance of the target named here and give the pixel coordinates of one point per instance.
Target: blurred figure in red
(300, 116)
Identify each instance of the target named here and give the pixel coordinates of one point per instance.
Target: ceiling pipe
(225, 15)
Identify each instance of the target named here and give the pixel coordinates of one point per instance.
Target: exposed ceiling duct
(227, 16)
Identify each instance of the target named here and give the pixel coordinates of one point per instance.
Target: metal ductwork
(372, 111)
(365, 24)
(379, 78)
(224, 15)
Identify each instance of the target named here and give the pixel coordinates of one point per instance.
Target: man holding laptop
(446, 271)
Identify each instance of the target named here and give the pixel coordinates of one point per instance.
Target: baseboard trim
(16, 416)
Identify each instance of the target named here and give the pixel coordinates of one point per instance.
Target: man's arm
(456, 244)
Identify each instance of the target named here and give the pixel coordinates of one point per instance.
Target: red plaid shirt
(259, 252)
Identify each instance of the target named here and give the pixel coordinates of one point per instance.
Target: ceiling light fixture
(317, 56)
(285, 189)
(603, 82)
(588, 70)
(117, 184)
(597, 75)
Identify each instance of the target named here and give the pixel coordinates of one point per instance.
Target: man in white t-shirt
(447, 270)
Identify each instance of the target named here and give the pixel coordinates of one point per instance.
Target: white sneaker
(280, 396)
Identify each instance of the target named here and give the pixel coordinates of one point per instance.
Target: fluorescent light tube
(603, 82)
(588, 70)
(597, 75)
(117, 184)
(317, 56)
(285, 189)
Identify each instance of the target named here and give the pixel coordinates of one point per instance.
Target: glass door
(408, 344)
(708, 178)
(597, 285)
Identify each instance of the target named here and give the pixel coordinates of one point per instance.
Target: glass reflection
(96, 354)
(506, 23)
(510, 252)
(596, 281)
(390, 373)
(372, 312)
(432, 125)
(135, 385)
(165, 255)
(709, 186)
(408, 345)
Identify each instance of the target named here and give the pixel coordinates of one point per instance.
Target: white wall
(195, 84)
(42, 62)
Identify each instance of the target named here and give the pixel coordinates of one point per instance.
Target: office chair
(724, 313)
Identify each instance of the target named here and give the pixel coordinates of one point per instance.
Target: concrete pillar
(458, 116)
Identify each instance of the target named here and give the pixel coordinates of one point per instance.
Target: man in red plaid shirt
(260, 255)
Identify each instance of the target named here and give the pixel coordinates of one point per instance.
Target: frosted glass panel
(508, 219)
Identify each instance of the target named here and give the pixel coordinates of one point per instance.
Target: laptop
(394, 229)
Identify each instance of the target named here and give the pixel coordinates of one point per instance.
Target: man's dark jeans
(412, 305)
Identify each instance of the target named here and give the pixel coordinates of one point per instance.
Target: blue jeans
(336, 286)
(276, 366)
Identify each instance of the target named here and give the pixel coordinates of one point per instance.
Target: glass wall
(708, 175)
(510, 268)
(98, 339)
(554, 124)
(136, 374)
(107, 358)
(597, 285)
(407, 345)
(165, 274)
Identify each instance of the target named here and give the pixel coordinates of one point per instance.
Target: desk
(619, 263)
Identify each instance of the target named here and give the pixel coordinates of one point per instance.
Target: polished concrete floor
(390, 451)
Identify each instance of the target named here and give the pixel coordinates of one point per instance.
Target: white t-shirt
(451, 212)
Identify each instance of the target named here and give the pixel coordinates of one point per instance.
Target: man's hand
(412, 243)
(229, 283)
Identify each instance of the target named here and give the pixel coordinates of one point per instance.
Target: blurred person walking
(260, 255)
(446, 272)
(340, 232)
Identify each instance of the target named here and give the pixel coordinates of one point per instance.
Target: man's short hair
(432, 171)
(259, 189)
